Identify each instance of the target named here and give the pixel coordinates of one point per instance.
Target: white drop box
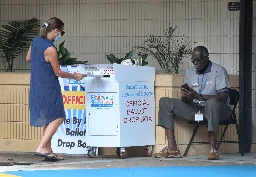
(120, 105)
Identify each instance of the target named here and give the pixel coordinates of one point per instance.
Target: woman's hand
(78, 76)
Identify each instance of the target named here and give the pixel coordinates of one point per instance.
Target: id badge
(199, 117)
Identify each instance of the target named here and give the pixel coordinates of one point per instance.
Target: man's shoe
(165, 152)
(213, 154)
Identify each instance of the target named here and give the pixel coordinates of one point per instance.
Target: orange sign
(74, 100)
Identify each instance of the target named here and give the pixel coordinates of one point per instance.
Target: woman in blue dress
(45, 100)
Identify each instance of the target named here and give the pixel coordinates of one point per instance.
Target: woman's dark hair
(51, 24)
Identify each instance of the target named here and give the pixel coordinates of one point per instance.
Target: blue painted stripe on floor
(195, 171)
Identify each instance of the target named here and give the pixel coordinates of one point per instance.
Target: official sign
(70, 137)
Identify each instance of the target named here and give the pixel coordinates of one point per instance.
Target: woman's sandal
(53, 157)
(49, 156)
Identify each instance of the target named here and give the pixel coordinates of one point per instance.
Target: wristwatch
(201, 97)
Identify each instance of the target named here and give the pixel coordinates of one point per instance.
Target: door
(102, 114)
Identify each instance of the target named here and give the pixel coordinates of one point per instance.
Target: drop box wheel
(91, 153)
(122, 152)
(118, 152)
(147, 152)
(123, 155)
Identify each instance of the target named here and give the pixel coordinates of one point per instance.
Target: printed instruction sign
(138, 102)
(137, 108)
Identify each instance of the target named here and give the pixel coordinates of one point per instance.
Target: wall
(15, 131)
(17, 135)
(95, 28)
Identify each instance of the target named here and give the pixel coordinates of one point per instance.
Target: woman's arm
(28, 57)
(52, 57)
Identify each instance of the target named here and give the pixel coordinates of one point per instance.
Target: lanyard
(200, 84)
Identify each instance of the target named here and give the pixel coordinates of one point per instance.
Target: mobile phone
(185, 86)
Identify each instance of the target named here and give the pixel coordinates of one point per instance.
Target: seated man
(208, 82)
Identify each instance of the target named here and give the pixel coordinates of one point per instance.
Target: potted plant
(64, 56)
(15, 38)
(113, 59)
(168, 51)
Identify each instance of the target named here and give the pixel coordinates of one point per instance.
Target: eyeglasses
(198, 60)
(61, 32)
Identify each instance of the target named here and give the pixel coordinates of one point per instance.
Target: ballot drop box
(120, 107)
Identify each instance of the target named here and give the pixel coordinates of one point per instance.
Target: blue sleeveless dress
(45, 99)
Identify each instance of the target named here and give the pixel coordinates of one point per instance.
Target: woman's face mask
(57, 37)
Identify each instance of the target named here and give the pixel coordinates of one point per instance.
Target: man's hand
(188, 96)
(192, 94)
(184, 97)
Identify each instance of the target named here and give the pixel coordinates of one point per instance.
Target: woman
(46, 103)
